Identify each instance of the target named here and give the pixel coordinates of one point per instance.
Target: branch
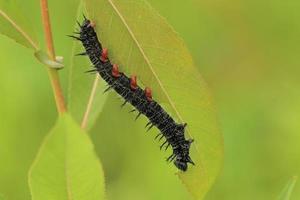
(53, 74)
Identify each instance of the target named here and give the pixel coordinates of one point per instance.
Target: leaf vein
(19, 29)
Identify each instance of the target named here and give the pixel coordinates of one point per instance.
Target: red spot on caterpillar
(104, 55)
(92, 24)
(133, 82)
(115, 71)
(148, 93)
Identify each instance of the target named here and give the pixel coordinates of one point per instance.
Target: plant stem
(53, 74)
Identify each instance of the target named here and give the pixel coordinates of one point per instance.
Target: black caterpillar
(140, 99)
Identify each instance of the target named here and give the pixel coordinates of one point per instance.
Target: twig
(53, 74)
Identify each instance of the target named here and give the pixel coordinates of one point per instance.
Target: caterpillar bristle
(171, 158)
(161, 137)
(81, 54)
(91, 71)
(75, 37)
(123, 104)
(133, 110)
(138, 116)
(149, 128)
(148, 124)
(190, 161)
(161, 146)
(107, 89)
(157, 136)
(168, 145)
(78, 23)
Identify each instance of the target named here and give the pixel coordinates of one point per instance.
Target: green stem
(53, 74)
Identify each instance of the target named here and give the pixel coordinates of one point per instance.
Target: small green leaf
(143, 43)
(43, 58)
(15, 25)
(66, 166)
(288, 189)
(85, 95)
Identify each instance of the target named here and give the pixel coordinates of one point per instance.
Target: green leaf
(1, 197)
(66, 166)
(43, 58)
(143, 43)
(85, 95)
(15, 25)
(288, 189)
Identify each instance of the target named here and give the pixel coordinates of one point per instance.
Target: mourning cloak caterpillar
(140, 99)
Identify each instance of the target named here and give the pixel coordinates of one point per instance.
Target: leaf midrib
(66, 169)
(19, 29)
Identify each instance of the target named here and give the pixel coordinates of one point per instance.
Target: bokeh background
(248, 52)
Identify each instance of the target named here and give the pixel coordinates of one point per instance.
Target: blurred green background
(248, 53)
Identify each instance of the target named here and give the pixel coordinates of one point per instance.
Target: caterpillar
(140, 99)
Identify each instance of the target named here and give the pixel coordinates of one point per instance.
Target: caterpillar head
(86, 23)
(182, 160)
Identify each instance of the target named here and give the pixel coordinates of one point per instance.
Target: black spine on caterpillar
(140, 99)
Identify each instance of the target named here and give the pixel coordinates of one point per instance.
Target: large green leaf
(288, 189)
(15, 25)
(85, 95)
(66, 166)
(142, 43)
